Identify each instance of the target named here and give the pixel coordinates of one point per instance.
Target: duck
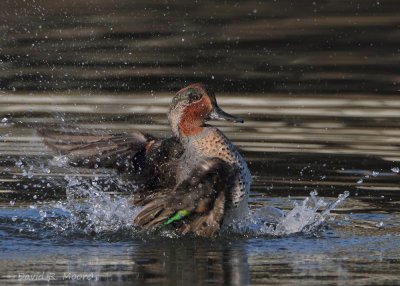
(193, 182)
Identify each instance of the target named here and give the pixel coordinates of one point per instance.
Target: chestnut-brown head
(191, 107)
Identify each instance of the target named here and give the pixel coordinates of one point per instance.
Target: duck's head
(191, 107)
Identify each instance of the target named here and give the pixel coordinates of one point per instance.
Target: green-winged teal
(196, 181)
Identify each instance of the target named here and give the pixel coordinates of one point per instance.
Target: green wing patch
(178, 216)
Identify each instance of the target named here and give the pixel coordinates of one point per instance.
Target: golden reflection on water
(362, 125)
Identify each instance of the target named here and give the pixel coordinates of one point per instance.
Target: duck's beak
(218, 114)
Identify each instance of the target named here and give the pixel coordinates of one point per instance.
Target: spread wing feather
(123, 151)
(201, 195)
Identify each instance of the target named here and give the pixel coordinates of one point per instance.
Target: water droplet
(395, 170)
(18, 164)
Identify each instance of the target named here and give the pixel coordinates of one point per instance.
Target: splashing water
(304, 217)
(89, 209)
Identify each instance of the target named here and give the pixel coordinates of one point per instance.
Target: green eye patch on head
(190, 94)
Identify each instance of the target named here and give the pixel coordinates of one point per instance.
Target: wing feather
(124, 151)
(202, 196)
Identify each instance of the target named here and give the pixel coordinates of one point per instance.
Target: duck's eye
(194, 96)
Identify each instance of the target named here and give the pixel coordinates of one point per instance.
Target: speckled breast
(212, 143)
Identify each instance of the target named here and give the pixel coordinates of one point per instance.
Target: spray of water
(91, 208)
(306, 216)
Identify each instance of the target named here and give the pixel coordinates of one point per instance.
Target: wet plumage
(195, 181)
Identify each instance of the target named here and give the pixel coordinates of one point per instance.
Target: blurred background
(317, 83)
(314, 47)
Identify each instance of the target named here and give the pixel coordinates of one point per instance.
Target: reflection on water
(316, 82)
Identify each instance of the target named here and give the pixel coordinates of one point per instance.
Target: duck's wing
(161, 165)
(124, 151)
(196, 205)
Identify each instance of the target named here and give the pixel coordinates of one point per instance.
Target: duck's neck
(189, 127)
(191, 122)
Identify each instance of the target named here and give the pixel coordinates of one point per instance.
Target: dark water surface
(317, 83)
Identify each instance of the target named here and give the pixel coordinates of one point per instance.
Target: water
(317, 85)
